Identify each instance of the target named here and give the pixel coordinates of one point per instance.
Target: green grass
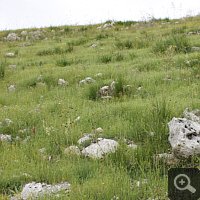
(157, 58)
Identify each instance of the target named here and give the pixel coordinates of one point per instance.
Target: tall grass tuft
(2, 70)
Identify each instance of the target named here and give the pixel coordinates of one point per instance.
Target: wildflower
(5, 106)
(104, 101)
(58, 103)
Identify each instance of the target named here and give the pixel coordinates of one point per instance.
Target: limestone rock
(8, 121)
(87, 80)
(11, 88)
(34, 190)
(192, 115)
(5, 137)
(195, 48)
(12, 36)
(12, 66)
(10, 54)
(24, 33)
(104, 146)
(184, 137)
(62, 82)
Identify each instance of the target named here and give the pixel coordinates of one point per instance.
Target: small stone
(12, 66)
(10, 54)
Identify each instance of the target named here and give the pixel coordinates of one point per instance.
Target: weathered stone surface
(8, 121)
(196, 48)
(87, 80)
(5, 137)
(94, 45)
(12, 66)
(10, 54)
(184, 136)
(11, 88)
(194, 115)
(34, 190)
(104, 146)
(24, 33)
(62, 82)
(12, 36)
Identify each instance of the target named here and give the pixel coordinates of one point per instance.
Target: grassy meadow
(156, 56)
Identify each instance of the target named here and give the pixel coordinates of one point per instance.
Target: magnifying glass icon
(188, 186)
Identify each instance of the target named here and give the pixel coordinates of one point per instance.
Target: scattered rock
(10, 54)
(112, 85)
(11, 88)
(87, 80)
(62, 82)
(194, 115)
(39, 78)
(97, 150)
(5, 137)
(78, 118)
(94, 45)
(8, 121)
(42, 150)
(100, 130)
(34, 190)
(12, 36)
(195, 48)
(24, 33)
(133, 146)
(99, 74)
(184, 136)
(12, 66)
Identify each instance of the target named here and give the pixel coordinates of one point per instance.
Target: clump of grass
(179, 43)
(77, 42)
(179, 30)
(101, 36)
(92, 91)
(128, 44)
(119, 57)
(119, 86)
(64, 62)
(106, 58)
(2, 70)
(56, 50)
(119, 45)
(132, 55)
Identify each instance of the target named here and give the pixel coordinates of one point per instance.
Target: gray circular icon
(188, 186)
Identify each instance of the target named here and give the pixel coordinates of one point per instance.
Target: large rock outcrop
(185, 135)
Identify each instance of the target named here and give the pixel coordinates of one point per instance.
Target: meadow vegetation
(157, 57)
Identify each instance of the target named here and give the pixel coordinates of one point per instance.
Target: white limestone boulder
(97, 150)
(184, 137)
(12, 66)
(12, 36)
(10, 54)
(35, 190)
(62, 82)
